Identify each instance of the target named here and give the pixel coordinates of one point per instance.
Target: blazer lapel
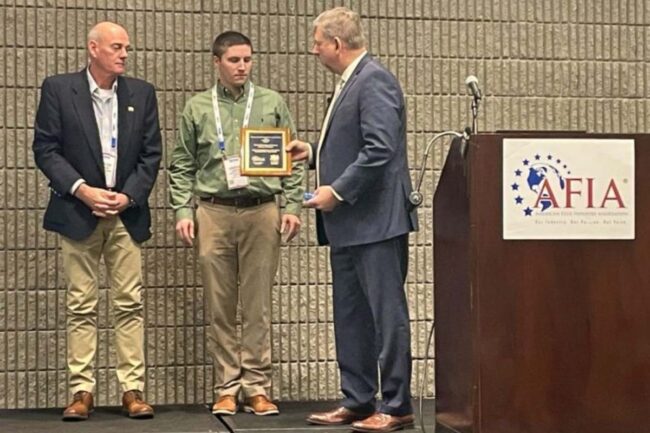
(346, 88)
(125, 113)
(83, 106)
(350, 83)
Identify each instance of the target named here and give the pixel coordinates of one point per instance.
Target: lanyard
(109, 150)
(217, 116)
(114, 122)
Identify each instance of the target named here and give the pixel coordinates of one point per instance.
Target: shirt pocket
(268, 118)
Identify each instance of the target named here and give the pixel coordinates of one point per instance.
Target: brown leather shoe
(338, 416)
(81, 406)
(260, 405)
(382, 422)
(226, 405)
(135, 406)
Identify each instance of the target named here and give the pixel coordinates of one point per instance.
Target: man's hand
(102, 203)
(299, 150)
(324, 199)
(123, 202)
(290, 227)
(185, 231)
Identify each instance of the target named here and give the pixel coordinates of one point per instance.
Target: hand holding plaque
(263, 152)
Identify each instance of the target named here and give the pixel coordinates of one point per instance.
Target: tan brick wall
(549, 65)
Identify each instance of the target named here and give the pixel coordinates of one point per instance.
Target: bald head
(108, 45)
(104, 29)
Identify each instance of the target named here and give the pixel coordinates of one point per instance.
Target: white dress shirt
(103, 100)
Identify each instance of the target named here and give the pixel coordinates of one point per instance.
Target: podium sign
(556, 188)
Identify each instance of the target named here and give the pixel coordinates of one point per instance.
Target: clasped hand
(103, 203)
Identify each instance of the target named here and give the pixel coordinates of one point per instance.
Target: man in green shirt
(238, 221)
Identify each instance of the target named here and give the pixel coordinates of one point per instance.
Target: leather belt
(239, 201)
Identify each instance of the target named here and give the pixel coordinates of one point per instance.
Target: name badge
(233, 173)
(110, 162)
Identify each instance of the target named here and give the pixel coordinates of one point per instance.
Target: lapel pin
(130, 108)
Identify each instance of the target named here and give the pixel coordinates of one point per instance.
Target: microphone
(472, 83)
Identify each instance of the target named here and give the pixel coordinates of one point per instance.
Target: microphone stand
(416, 198)
(475, 103)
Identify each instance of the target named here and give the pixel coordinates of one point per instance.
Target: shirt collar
(223, 92)
(92, 84)
(345, 76)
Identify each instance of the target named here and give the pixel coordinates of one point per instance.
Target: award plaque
(263, 152)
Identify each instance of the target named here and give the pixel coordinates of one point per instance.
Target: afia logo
(543, 183)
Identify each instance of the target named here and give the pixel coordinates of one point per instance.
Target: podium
(537, 336)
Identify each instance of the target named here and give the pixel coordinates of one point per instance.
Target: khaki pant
(81, 266)
(238, 251)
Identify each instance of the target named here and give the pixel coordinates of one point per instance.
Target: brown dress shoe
(338, 416)
(226, 405)
(260, 405)
(135, 406)
(382, 422)
(81, 406)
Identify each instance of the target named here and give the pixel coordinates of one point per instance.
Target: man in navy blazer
(364, 214)
(97, 140)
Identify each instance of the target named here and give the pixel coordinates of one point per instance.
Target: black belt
(239, 201)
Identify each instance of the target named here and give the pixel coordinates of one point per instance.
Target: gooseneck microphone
(416, 198)
(472, 83)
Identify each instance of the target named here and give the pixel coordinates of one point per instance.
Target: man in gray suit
(364, 214)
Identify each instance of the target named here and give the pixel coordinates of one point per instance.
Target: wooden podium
(537, 336)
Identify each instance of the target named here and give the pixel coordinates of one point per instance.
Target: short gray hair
(342, 23)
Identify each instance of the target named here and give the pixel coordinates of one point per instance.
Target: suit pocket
(60, 208)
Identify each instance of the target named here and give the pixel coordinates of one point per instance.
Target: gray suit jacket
(363, 157)
(67, 147)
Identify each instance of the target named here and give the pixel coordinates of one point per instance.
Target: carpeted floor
(168, 419)
(184, 419)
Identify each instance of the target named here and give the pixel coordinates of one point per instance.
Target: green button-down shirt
(197, 167)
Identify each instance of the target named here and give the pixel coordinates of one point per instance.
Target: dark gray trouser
(371, 324)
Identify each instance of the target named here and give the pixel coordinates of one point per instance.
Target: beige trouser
(81, 266)
(238, 252)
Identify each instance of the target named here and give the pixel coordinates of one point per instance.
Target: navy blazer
(363, 157)
(67, 147)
